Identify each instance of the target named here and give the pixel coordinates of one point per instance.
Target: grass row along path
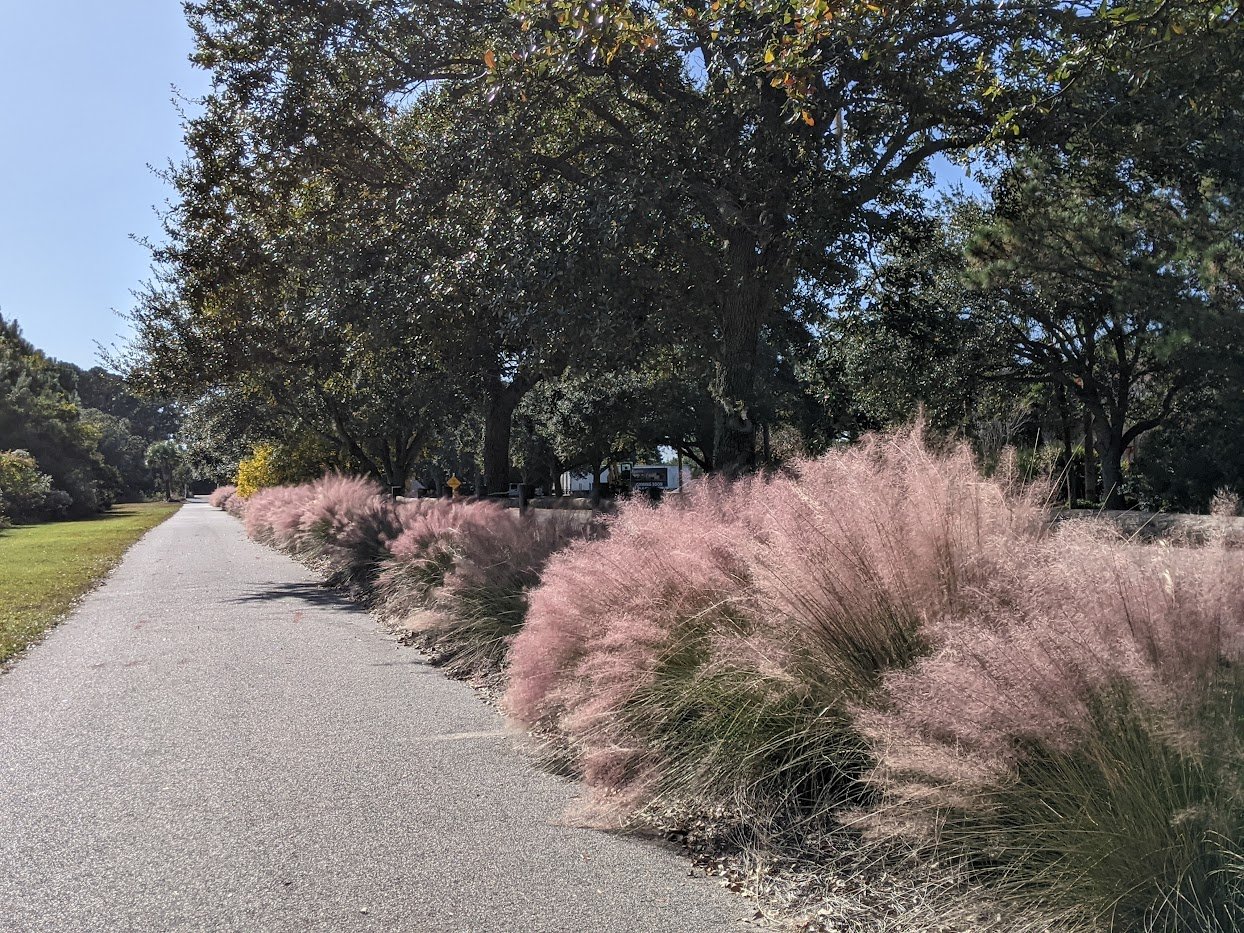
(45, 568)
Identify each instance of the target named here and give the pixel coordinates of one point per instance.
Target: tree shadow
(313, 594)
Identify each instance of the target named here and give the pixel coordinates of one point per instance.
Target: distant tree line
(72, 441)
(506, 239)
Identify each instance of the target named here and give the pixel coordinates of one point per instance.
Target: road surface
(213, 742)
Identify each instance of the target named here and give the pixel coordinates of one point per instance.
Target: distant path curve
(212, 742)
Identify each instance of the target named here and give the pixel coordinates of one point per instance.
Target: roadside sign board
(649, 477)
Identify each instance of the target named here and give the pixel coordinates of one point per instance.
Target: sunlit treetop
(1018, 51)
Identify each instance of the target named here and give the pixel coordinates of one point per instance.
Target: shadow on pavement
(313, 594)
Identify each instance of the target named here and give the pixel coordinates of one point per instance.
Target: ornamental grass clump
(422, 552)
(272, 515)
(862, 555)
(483, 602)
(235, 505)
(622, 627)
(710, 650)
(221, 495)
(1080, 736)
(344, 525)
(458, 576)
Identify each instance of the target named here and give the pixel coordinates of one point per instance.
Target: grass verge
(44, 568)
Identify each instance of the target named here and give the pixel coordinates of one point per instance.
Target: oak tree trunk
(1090, 467)
(1110, 447)
(499, 404)
(742, 314)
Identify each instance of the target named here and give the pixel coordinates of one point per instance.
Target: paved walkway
(212, 742)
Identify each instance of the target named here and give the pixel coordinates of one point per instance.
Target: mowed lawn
(44, 568)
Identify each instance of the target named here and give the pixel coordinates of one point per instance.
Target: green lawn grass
(44, 568)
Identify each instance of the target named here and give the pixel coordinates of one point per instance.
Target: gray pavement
(212, 742)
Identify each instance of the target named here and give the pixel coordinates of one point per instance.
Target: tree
(1184, 463)
(26, 494)
(524, 275)
(40, 414)
(454, 253)
(282, 301)
(1089, 267)
(589, 420)
(798, 129)
(164, 457)
(771, 203)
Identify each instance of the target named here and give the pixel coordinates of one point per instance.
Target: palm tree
(163, 457)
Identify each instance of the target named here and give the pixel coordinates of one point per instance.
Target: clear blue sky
(85, 107)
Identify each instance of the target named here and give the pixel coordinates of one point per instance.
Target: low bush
(710, 650)
(235, 505)
(221, 495)
(272, 515)
(258, 471)
(346, 524)
(469, 566)
(883, 632)
(26, 493)
(1083, 737)
(343, 524)
(422, 553)
(455, 574)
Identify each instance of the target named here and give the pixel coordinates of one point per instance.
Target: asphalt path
(213, 742)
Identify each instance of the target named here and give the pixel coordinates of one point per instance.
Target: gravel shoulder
(212, 741)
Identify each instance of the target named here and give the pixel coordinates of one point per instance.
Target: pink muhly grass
(273, 514)
(610, 613)
(1085, 729)
(605, 607)
(220, 495)
(235, 505)
(483, 602)
(345, 523)
(422, 552)
(1088, 615)
(471, 564)
(862, 553)
(711, 648)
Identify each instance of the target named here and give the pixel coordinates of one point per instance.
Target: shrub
(342, 523)
(258, 471)
(472, 565)
(483, 602)
(1082, 735)
(1225, 503)
(235, 505)
(272, 516)
(710, 649)
(26, 494)
(422, 553)
(221, 495)
(618, 621)
(345, 523)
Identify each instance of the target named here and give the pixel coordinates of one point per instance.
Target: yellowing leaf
(807, 118)
(769, 56)
(490, 59)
